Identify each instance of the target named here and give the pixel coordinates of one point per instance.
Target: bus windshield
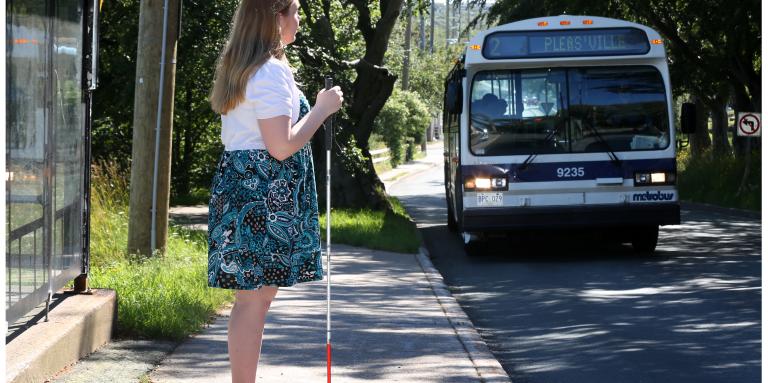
(568, 110)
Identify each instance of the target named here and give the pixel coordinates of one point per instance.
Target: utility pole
(432, 27)
(458, 31)
(447, 23)
(466, 25)
(407, 56)
(145, 122)
(422, 31)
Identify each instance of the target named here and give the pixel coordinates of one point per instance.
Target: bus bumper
(510, 218)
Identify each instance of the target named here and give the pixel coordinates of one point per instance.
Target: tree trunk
(407, 55)
(447, 23)
(458, 17)
(188, 150)
(422, 32)
(720, 145)
(700, 141)
(182, 159)
(144, 123)
(432, 26)
(354, 180)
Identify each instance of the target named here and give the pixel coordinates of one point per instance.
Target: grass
(166, 296)
(374, 229)
(161, 297)
(716, 181)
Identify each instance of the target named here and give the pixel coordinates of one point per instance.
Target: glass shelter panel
(26, 121)
(68, 112)
(45, 127)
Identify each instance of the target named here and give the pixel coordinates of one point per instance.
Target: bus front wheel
(474, 244)
(644, 239)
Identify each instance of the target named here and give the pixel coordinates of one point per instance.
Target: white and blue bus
(562, 122)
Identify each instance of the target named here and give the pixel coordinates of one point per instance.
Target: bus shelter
(50, 75)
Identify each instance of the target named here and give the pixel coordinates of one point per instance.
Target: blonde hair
(254, 38)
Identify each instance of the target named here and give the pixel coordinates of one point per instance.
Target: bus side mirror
(453, 97)
(688, 118)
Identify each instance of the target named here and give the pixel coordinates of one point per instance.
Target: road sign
(748, 124)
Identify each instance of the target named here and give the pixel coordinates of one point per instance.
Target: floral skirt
(263, 225)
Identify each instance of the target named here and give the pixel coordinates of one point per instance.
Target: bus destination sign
(566, 43)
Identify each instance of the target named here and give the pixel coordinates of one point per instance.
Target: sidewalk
(388, 326)
(393, 320)
(433, 158)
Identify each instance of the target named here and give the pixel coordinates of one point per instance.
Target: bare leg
(245, 330)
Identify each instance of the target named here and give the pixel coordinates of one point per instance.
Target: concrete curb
(76, 327)
(488, 367)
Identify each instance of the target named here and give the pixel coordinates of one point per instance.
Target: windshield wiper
(532, 156)
(614, 158)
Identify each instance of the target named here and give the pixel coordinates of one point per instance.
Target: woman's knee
(263, 296)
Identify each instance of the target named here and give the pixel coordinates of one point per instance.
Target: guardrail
(379, 155)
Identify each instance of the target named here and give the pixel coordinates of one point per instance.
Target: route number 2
(570, 172)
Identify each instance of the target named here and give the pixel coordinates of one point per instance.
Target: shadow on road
(574, 307)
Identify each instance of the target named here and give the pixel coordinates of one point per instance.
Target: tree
(713, 46)
(113, 99)
(196, 142)
(324, 50)
(401, 122)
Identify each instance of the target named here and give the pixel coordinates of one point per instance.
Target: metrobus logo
(648, 196)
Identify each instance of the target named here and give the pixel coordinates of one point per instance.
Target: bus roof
(474, 49)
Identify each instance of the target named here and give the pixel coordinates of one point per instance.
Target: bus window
(626, 106)
(518, 112)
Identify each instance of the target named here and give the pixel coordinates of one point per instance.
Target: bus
(562, 122)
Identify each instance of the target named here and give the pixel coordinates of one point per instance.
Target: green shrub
(403, 117)
(716, 180)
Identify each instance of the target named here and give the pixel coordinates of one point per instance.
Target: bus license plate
(490, 199)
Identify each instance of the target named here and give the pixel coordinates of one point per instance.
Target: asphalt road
(563, 308)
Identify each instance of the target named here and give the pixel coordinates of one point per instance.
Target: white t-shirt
(270, 92)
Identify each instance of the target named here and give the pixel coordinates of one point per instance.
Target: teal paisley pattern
(263, 225)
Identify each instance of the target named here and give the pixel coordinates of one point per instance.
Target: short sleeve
(269, 91)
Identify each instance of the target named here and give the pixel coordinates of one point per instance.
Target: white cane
(328, 142)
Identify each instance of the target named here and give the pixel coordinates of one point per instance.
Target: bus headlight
(486, 183)
(483, 183)
(658, 178)
(654, 178)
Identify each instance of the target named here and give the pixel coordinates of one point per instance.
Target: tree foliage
(327, 45)
(402, 122)
(713, 46)
(196, 143)
(348, 39)
(196, 128)
(112, 132)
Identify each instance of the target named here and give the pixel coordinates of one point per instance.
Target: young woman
(263, 217)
